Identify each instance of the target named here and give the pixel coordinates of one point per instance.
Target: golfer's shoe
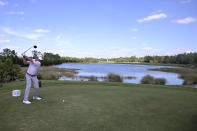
(36, 98)
(26, 102)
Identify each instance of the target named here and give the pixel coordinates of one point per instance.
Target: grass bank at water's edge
(144, 63)
(189, 75)
(79, 106)
(53, 73)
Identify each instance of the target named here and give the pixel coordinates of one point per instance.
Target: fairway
(93, 106)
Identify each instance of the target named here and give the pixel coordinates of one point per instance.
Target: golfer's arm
(25, 59)
(29, 59)
(25, 62)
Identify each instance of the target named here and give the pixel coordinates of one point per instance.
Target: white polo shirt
(33, 67)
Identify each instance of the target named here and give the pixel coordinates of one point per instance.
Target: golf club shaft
(27, 50)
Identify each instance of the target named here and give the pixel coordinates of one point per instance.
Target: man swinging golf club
(31, 75)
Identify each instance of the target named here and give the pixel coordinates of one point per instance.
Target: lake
(138, 71)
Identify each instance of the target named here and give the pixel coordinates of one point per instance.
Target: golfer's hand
(25, 57)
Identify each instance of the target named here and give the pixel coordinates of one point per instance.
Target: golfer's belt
(31, 75)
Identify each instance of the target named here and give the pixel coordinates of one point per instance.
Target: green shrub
(160, 81)
(39, 76)
(111, 77)
(9, 71)
(129, 77)
(93, 78)
(148, 79)
(190, 80)
(21, 75)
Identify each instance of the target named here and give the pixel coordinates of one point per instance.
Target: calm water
(138, 71)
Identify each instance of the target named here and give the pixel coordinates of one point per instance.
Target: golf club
(35, 46)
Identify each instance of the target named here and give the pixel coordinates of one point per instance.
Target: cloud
(185, 1)
(96, 53)
(58, 37)
(24, 35)
(16, 13)
(134, 37)
(111, 52)
(182, 50)
(63, 43)
(159, 11)
(42, 31)
(152, 17)
(16, 5)
(31, 36)
(4, 41)
(60, 51)
(2, 36)
(3, 3)
(147, 50)
(9, 31)
(134, 29)
(32, 1)
(186, 20)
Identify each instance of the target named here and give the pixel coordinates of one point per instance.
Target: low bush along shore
(110, 77)
(189, 75)
(88, 106)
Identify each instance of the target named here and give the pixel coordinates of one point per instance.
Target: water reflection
(138, 71)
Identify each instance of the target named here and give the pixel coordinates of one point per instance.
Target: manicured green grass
(94, 106)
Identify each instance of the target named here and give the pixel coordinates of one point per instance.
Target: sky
(99, 28)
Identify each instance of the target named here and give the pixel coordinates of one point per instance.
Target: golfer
(31, 75)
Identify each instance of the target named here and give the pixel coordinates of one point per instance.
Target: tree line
(54, 59)
(10, 62)
(186, 58)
